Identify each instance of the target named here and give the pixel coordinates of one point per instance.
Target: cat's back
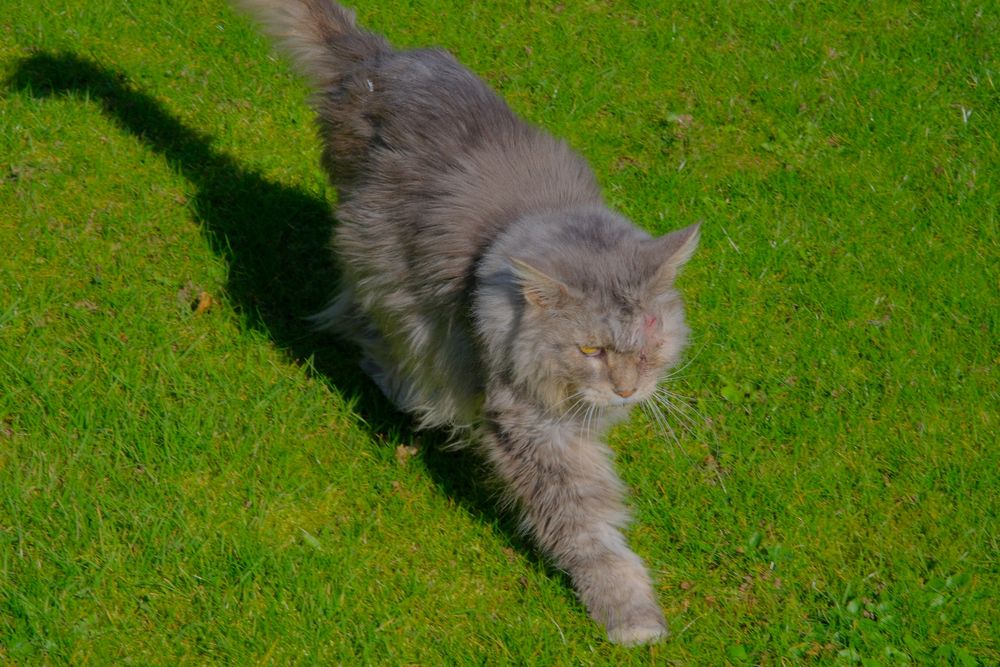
(436, 123)
(448, 167)
(419, 107)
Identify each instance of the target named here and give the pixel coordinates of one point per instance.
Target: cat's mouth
(623, 402)
(602, 400)
(627, 401)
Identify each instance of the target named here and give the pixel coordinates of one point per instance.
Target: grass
(218, 485)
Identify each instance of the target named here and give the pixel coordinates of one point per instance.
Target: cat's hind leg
(390, 383)
(343, 317)
(340, 316)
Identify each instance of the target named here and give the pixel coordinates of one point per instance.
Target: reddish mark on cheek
(649, 321)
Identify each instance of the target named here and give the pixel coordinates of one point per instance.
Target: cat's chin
(623, 402)
(612, 405)
(609, 401)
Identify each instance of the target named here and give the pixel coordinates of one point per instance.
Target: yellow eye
(588, 351)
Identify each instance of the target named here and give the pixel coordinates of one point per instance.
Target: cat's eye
(589, 351)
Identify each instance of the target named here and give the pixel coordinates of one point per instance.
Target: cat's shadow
(274, 240)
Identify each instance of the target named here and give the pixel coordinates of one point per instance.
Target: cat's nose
(624, 393)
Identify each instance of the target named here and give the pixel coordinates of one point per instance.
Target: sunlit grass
(187, 474)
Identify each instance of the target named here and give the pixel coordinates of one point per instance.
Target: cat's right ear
(672, 252)
(538, 288)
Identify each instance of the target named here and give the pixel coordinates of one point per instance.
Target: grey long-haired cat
(490, 289)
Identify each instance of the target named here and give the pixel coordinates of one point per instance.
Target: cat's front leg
(571, 503)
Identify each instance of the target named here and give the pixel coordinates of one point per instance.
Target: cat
(490, 289)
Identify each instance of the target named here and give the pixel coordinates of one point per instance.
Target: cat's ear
(672, 251)
(538, 287)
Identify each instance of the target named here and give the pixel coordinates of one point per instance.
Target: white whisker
(675, 372)
(575, 411)
(652, 411)
(681, 408)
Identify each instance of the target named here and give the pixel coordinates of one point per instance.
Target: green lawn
(188, 475)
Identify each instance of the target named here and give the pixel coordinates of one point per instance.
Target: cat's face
(604, 352)
(606, 341)
(618, 360)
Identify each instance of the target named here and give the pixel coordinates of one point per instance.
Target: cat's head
(601, 321)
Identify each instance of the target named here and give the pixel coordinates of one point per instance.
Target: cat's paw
(638, 634)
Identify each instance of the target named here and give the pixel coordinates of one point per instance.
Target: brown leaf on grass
(682, 119)
(404, 453)
(202, 303)
(882, 321)
(711, 464)
(626, 161)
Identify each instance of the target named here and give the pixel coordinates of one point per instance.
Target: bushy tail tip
(320, 37)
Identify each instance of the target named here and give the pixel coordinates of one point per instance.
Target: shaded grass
(223, 486)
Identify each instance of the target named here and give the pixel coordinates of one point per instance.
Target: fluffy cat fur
(490, 289)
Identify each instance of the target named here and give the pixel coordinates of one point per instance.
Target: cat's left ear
(672, 252)
(538, 287)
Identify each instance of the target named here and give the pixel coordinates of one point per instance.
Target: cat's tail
(319, 36)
